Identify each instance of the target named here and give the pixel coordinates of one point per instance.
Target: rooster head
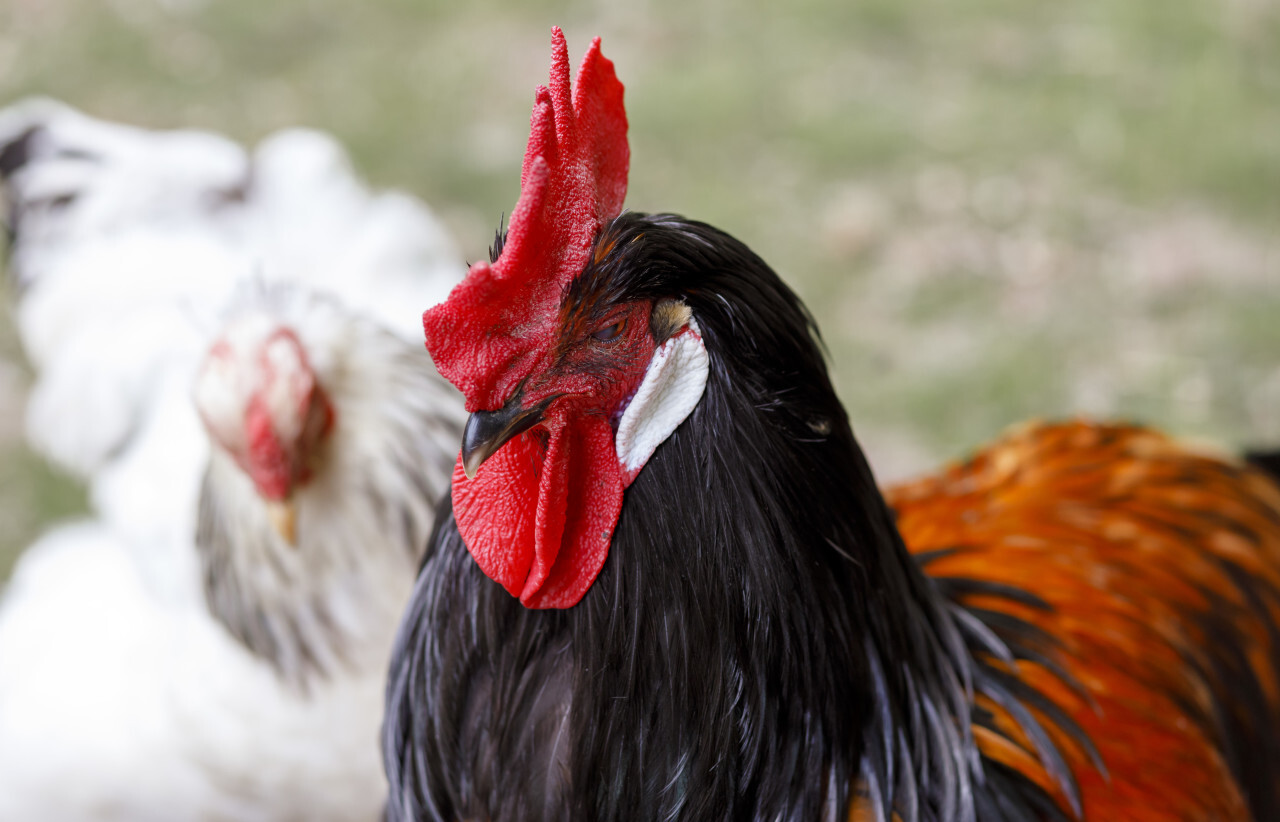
(571, 384)
(261, 402)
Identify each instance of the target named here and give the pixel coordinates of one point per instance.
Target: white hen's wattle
(131, 686)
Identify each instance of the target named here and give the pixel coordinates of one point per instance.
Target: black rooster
(728, 625)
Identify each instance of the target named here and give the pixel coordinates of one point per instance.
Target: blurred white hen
(180, 657)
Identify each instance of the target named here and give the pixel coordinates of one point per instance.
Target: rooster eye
(610, 332)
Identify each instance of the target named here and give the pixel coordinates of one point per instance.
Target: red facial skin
(275, 465)
(539, 515)
(275, 462)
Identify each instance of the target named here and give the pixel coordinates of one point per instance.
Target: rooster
(666, 585)
(213, 643)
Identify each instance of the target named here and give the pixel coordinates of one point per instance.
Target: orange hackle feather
(1138, 544)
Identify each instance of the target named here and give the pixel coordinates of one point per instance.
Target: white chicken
(227, 350)
(125, 240)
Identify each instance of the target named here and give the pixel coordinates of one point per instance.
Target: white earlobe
(672, 386)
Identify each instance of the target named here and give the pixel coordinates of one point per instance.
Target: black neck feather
(758, 638)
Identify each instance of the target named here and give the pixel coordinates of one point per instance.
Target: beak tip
(283, 517)
(487, 431)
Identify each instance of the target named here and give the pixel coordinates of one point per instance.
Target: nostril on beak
(16, 153)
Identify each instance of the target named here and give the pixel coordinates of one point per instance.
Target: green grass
(995, 208)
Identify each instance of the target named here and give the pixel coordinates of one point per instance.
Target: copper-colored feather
(1162, 569)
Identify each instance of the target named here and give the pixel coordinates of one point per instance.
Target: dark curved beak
(487, 431)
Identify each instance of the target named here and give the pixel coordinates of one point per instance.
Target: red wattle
(538, 520)
(265, 461)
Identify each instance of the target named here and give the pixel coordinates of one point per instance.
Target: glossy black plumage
(758, 638)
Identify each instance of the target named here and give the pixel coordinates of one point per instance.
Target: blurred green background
(997, 209)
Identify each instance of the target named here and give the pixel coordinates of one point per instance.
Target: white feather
(121, 696)
(114, 706)
(672, 386)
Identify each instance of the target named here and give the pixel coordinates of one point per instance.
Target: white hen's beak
(284, 518)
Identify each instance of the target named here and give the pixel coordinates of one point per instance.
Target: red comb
(486, 338)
